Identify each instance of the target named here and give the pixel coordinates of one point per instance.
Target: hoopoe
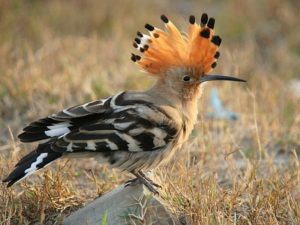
(134, 131)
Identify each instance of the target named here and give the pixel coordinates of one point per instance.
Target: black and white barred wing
(135, 127)
(65, 121)
(111, 127)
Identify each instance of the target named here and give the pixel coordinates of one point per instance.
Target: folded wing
(64, 121)
(131, 126)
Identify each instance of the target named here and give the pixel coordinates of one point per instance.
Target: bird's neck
(188, 107)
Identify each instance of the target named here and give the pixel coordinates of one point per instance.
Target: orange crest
(169, 48)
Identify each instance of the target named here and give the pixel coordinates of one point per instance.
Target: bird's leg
(147, 182)
(150, 181)
(142, 179)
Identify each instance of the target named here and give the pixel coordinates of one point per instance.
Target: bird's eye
(186, 78)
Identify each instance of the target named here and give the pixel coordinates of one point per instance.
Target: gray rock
(124, 205)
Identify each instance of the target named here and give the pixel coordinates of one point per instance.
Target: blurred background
(56, 54)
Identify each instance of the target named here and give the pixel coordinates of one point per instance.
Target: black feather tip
(192, 19)
(204, 18)
(216, 40)
(211, 23)
(205, 33)
(139, 34)
(135, 58)
(217, 55)
(137, 40)
(164, 19)
(149, 27)
(213, 65)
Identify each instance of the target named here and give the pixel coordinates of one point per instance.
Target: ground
(56, 54)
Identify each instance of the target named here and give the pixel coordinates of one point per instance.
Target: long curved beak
(219, 77)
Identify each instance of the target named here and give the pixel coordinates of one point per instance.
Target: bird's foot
(150, 181)
(142, 179)
(150, 185)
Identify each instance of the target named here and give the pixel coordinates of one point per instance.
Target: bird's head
(180, 60)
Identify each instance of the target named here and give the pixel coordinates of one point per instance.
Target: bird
(135, 131)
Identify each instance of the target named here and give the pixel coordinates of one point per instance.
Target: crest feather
(165, 49)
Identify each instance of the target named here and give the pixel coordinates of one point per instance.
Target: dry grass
(56, 54)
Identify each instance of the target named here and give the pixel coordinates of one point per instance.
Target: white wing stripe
(69, 147)
(33, 167)
(69, 113)
(91, 145)
(136, 131)
(57, 132)
(113, 100)
(123, 126)
(133, 145)
(159, 136)
(111, 145)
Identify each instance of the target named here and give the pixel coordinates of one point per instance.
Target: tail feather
(32, 162)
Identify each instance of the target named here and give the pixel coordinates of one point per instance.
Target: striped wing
(65, 121)
(110, 124)
(132, 126)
